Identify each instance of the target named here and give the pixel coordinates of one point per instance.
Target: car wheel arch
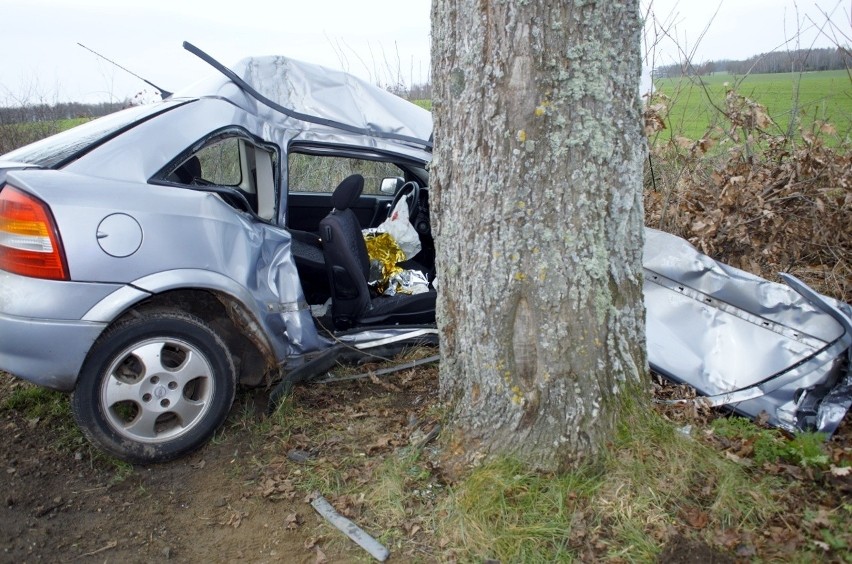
(253, 356)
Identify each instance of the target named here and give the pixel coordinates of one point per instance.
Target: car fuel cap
(119, 235)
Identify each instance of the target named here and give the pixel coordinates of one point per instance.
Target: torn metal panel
(745, 342)
(370, 338)
(323, 104)
(268, 270)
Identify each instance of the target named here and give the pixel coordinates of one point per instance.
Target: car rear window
(58, 150)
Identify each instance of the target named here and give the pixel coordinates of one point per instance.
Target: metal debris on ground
(350, 529)
(383, 372)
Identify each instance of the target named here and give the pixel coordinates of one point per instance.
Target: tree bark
(536, 187)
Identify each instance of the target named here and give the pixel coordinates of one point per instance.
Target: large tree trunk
(536, 187)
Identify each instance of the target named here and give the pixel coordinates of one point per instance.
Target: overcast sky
(381, 40)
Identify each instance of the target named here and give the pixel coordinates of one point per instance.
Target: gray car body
(129, 236)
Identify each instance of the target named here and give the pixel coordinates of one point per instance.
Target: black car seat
(348, 266)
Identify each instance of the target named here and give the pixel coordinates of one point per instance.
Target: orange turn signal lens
(29, 241)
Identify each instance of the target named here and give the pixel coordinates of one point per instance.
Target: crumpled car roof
(314, 90)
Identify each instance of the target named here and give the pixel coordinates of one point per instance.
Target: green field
(16, 135)
(822, 96)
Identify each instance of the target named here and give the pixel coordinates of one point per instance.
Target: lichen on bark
(536, 192)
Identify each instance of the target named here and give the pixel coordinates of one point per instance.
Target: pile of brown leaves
(763, 203)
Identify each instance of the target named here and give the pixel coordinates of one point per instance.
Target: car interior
(325, 222)
(347, 266)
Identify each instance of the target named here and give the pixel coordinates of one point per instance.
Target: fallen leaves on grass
(277, 487)
(696, 518)
(841, 471)
(292, 521)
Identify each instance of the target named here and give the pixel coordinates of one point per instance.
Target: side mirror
(391, 184)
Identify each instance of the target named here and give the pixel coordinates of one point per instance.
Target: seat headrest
(347, 192)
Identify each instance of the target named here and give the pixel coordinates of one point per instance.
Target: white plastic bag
(399, 227)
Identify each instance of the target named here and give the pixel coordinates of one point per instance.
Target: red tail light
(29, 241)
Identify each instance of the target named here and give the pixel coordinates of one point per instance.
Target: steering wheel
(411, 187)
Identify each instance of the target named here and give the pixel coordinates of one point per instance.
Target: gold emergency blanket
(384, 252)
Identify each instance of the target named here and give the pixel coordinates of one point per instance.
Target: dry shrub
(763, 203)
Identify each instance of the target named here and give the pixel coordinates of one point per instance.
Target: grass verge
(52, 410)
(623, 506)
(731, 488)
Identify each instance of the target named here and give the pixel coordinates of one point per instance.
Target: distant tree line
(413, 92)
(419, 91)
(20, 125)
(800, 60)
(32, 113)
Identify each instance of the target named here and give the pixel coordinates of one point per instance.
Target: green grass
(502, 511)
(822, 96)
(55, 125)
(14, 135)
(623, 503)
(651, 480)
(52, 410)
(771, 445)
(63, 124)
(34, 402)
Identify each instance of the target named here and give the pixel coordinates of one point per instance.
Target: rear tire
(154, 387)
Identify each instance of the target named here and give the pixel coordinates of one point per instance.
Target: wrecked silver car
(744, 342)
(153, 259)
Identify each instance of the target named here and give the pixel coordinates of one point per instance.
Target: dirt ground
(61, 505)
(229, 501)
(243, 496)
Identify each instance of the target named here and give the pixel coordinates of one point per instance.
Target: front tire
(154, 387)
